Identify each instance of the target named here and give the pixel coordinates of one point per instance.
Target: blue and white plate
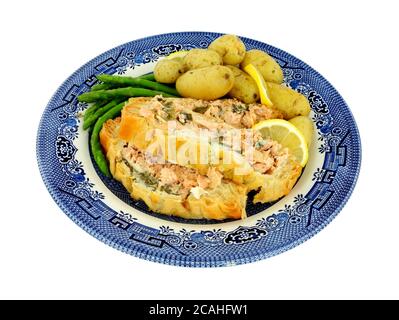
(102, 206)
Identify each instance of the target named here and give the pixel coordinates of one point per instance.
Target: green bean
(106, 78)
(89, 111)
(120, 92)
(95, 144)
(99, 112)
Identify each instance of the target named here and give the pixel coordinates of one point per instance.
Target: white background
(354, 44)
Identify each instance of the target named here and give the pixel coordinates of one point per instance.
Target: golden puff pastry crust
(226, 201)
(280, 182)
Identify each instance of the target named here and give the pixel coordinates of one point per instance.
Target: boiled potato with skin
(168, 70)
(207, 83)
(200, 58)
(268, 67)
(288, 101)
(305, 126)
(245, 88)
(230, 48)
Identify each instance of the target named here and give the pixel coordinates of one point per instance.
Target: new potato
(288, 101)
(305, 126)
(268, 67)
(207, 83)
(230, 48)
(200, 58)
(168, 70)
(244, 88)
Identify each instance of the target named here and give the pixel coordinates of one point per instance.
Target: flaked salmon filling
(230, 111)
(225, 119)
(267, 154)
(239, 114)
(170, 178)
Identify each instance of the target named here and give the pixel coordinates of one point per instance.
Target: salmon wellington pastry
(197, 186)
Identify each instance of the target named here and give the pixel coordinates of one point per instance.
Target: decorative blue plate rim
(222, 248)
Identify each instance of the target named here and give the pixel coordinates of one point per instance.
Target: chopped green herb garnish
(259, 144)
(240, 108)
(184, 117)
(168, 189)
(168, 104)
(145, 177)
(148, 179)
(169, 110)
(200, 109)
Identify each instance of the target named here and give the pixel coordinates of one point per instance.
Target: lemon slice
(260, 82)
(287, 135)
(177, 54)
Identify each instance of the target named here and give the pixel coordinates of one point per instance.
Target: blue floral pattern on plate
(102, 207)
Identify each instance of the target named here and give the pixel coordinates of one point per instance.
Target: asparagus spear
(120, 92)
(149, 76)
(102, 86)
(107, 86)
(94, 108)
(118, 80)
(92, 118)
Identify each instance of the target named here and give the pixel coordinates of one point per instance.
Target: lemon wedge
(260, 82)
(287, 135)
(177, 54)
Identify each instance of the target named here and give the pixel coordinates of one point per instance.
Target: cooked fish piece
(146, 122)
(239, 114)
(169, 188)
(280, 170)
(231, 111)
(272, 168)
